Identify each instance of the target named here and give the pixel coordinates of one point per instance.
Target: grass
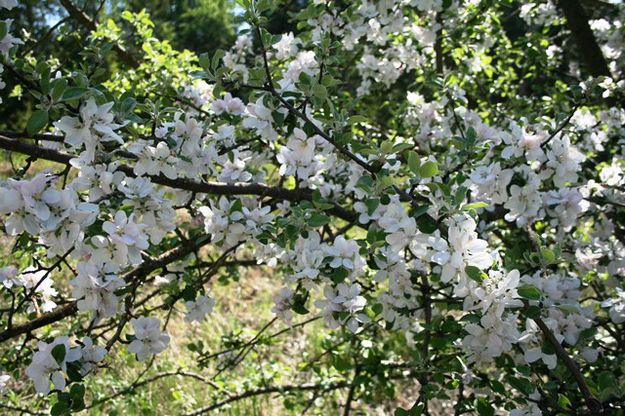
(243, 307)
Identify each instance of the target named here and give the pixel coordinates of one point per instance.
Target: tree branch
(212, 188)
(91, 25)
(591, 402)
(72, 308)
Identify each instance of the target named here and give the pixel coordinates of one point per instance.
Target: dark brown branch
(71, 308)
(88, 23)
(373, 170)
(46, 319)
(350, 393)
(294, 195)
(591, 402)
(561, 126)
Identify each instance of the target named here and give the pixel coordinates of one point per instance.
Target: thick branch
(212, 188)
(71, 308)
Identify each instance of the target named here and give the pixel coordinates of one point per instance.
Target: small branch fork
(71, 308)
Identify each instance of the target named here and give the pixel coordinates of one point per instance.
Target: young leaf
(529, 292)
(37, 121)
(428, 169)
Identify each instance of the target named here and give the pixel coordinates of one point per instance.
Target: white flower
(95, 124)
(282, 304)
(400, 227)
(221, 221)
(39, 280)
(198, 309)
(8, 4)
(617, 306)
(234, 167)
(8, 276)
(95, 290)
(260, 118)
(497, 293)
(520, 142)
(45, 367)
(490, 183)
(524, 202)
(345, 298)
(286, 46)
(298, 156)
(565, 159)
(127, 236)
(9, 40)
(4, 380)
(614, 174)
(345, 253)
(491, 338)
(28, 204)
(188, 132)
(534, 354)
(154, 160)
(462, 249)
(149, 339)
(91, 355)
(229, 105)
(531, 409)
(567, 204)
(308, 255)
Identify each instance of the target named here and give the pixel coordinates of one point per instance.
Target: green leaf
(317, 219)
(428, 169)
(299, 308)
(475, 205)
(3, 29)
(58, 88)
(356, 119)
(319, 91)
(73, 371)
(533, 312)
(607, 380)
(338, 275)
(416, 410)
(413, 162)
(475, 273)
(548, 255)
(73, 93)
(58, 352)
(77, 394)
(219, 54)
(372, 205)
(377, 308)
(60, 409)
(529, 292)
(38, 120)
(521, 384)
(484, 408)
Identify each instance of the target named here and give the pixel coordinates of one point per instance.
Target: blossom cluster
(485, 232)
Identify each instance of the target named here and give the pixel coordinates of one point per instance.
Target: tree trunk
(589, 52)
